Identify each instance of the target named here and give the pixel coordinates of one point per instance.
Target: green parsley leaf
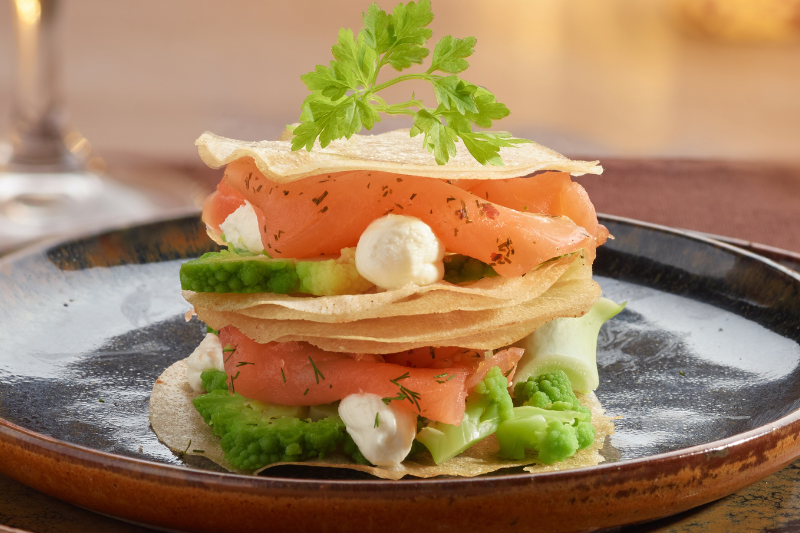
(376, 29)
(409, 23)
(343, 97)
(439, 139)
(453, 92)
(449, 54)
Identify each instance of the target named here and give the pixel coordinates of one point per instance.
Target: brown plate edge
(184, 498)
(617, 493)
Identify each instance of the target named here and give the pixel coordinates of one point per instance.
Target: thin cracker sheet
(178, 425)
(482, 341)
(395, 151)
(563, 299)
(528, 288)
(348, 307)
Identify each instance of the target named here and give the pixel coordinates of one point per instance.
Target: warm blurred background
(618, 79)
(627, 78)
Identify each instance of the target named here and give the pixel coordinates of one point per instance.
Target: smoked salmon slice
(297, 373)
(221, 203)
(552, 193)
(320, 215)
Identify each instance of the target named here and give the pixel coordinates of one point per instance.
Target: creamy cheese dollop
(383, 433)
(241, 229)
(207, 356)
(396, 250)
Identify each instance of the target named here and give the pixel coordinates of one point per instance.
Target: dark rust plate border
(585, 499)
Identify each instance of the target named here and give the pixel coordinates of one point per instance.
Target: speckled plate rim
(605, 495)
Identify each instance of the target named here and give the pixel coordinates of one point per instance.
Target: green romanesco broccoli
(214, 380)
(244, 272)
(549, 419)
(251, 439)
(552, 390)
(487, 406)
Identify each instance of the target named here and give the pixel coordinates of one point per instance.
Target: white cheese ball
(396, 250)
(207, 356)
(383, 433)
(241, 229)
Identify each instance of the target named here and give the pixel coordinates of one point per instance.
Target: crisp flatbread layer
(483, 315)
(178, 425)
(395, 151)
(441, 297)
(473, 329)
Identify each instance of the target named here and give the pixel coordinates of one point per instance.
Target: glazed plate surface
(702, 368)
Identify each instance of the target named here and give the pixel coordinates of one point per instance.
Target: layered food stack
(379, 301)
(416, 302)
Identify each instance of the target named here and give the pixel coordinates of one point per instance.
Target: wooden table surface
(755, 202)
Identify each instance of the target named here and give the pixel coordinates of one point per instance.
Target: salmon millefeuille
(378, 311)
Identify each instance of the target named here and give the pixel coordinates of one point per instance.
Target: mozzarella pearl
(396, 250)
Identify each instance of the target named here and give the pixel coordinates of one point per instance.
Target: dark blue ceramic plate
(706, 350)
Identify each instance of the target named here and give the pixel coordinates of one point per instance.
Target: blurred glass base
(37, 205)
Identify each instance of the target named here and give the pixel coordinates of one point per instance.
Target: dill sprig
(317, 373)
(404, 393)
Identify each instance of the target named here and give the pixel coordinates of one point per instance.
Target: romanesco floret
(251, 440)
(350, 448)
(494, 388)
(551, 390)
(487, 406)
(214, 380)
(549, 420)
(241, 273)
(244, 272)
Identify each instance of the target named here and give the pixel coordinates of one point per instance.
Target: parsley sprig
(344, 96)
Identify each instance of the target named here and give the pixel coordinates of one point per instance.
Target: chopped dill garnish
(306, 392)
(319, 199)
(283, 375)
(243, 363)
(317, 373)
(404, 394)
(377, 420)
(181, 454)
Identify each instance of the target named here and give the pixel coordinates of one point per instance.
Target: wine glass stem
(38, 114)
